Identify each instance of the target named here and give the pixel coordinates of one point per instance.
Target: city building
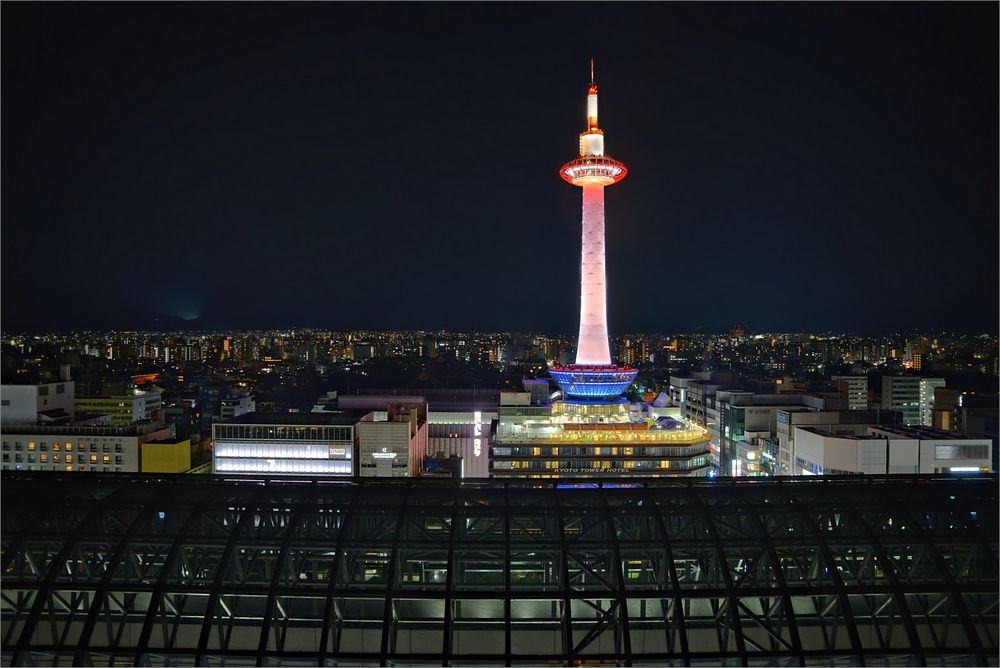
(833, 422)
(108, 449)
(440, 465)
(38, 402)
(597, 439)
(169, 455)
(696, 396)
(393, 444)
(235, 405)
(125, 408)
(745, 417)
(462, 431)
(889, 450)
(458, 421)
(320, 444)
(880, 570)
(854, 389)
(912, 396)
(970, 415)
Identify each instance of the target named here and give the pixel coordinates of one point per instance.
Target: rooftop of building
(923, 433)
(339, 417)
(892, 431)
(133, 429)
(168, 441)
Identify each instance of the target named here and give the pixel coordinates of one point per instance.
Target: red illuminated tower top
(593, 166)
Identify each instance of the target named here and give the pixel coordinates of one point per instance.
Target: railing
(58, 477)
(135, 429)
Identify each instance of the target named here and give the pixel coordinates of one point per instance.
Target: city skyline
(787, 178)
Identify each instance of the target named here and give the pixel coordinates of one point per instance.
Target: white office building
(882, 450)
(39, 402)
(319, 444)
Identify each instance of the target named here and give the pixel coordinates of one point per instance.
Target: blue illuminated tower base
(593, 382)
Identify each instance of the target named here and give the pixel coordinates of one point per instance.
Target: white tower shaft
(592, 345)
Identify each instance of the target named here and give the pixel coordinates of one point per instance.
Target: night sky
(792, 166)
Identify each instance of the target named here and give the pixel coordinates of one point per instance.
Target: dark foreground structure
(203, 570)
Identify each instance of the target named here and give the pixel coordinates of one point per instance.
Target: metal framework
(208, 570)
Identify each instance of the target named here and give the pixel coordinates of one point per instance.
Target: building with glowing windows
(913, 396)
(569, 438)
(286, 444)
(80, 449)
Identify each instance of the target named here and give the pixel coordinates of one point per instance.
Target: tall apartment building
(912, 396)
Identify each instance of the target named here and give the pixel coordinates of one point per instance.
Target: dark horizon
(806, 167)
(195, 331)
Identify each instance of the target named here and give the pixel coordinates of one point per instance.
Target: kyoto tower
(593, 376)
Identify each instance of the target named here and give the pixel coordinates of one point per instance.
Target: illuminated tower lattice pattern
(593, 376)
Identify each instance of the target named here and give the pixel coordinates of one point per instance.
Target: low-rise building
(593, 439)
(393, 443)
(37, 402)
(458, 421)
(125, 408)
(892, 450)
(320, 444)
(108, 449)
(169, 455)
(236, 405)
(836, 422)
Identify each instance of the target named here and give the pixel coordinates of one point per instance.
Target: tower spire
(591, 71)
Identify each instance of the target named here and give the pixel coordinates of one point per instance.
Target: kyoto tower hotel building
(592, 430)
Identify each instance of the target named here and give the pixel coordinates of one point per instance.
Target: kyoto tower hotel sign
(593, 376)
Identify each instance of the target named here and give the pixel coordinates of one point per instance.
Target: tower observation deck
(593, 376)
